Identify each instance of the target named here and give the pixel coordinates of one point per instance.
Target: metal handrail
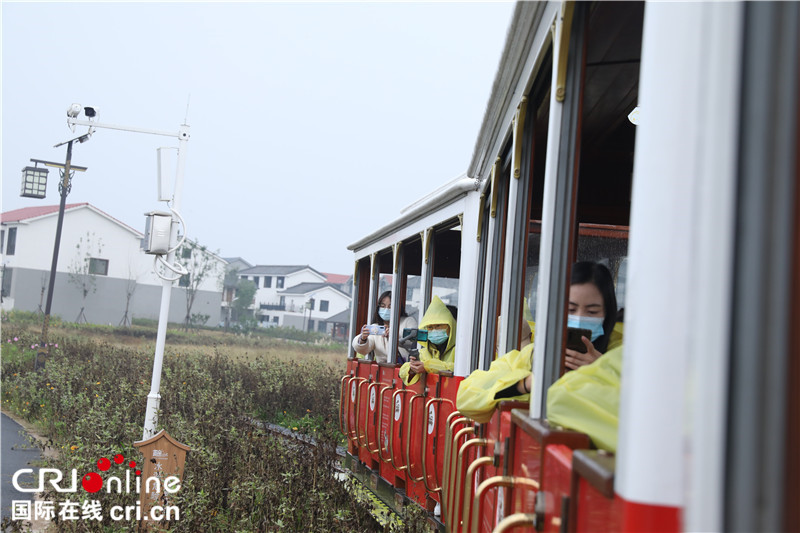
(452, 514)
(353, 434)
(391, 430)
(366, 414)
(459, 486)
(515, 520)
(448, 442)
(472, 470)
(366, 429)
(408, 436)
(425, 447)
(341, 404)
(380, 421)
(497, 481)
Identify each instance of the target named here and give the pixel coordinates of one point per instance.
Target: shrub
(90, 401)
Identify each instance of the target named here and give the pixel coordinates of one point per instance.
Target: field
(89, 403)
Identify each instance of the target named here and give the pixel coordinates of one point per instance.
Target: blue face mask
(595, 324)
(437, 336)
(385, 313)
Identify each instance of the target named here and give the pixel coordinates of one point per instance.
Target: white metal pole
(154, 398)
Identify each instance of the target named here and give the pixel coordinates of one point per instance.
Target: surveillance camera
(90, 111)
(74, 110)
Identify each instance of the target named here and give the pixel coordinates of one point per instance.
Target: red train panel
(555, 486)
(388, 376)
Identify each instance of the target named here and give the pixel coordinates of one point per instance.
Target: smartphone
(375, 329)
(574, 341)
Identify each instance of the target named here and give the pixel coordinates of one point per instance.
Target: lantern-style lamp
(34, 182)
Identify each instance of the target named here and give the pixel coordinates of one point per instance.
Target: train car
(660, 139)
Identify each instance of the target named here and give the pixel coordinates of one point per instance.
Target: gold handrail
(391, 430)
(366, 414)
(380, 421)
(366, 430)
(514, 520)
(353, 434)
(452, 513)
(341, 404)
(408, 436)
(448, 441)
(470, 483)
(425, 446)
(497, 481)
(453, 420)
(462, 452)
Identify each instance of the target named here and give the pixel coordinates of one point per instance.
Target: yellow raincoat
(587, 400)
(475, 397)
(430, 357)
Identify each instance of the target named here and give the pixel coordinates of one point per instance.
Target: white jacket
(380, 344)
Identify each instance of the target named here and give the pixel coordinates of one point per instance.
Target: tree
(245, 296)
(130, 288)
(201, 265)
(229, 283)
(85, 267)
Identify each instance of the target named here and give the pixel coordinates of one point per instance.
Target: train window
(446, 263)
(411, 281)
(593, 173)
(384, 265)
(361, 298)
(607, 245)
(610, 93)
(536, 145)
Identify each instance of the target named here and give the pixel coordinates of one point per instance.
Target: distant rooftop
(28, 213)
(275, 270)
(305, 288)
(336, 278)
(32, 212)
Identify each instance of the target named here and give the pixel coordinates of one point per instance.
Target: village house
(297, 296)
(103, 276)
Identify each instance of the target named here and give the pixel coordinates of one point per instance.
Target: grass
(90, 399)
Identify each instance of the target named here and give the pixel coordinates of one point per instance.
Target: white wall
(120, 246)
(270, 295)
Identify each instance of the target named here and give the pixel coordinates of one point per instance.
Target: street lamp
(34, 184)
(154, 397)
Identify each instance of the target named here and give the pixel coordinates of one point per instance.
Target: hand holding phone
(574, 341)
(579, 353)
(375, 329)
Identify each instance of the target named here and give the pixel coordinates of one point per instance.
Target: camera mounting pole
(154, 397)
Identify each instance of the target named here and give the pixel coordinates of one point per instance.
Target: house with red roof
(103, 276)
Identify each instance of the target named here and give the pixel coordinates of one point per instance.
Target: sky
(312, 124)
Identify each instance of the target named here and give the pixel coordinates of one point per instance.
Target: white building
(98, 253)
(295, 296)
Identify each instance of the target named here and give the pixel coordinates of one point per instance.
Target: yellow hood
(438, 313)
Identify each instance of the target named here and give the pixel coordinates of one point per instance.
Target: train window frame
(493, 275)
(359, 313)
(402, 259)
(534, 156)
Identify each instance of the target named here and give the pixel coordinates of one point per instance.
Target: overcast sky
(312, 124)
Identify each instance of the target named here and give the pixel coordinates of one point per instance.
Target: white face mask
(385, 313)
(593, 323)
